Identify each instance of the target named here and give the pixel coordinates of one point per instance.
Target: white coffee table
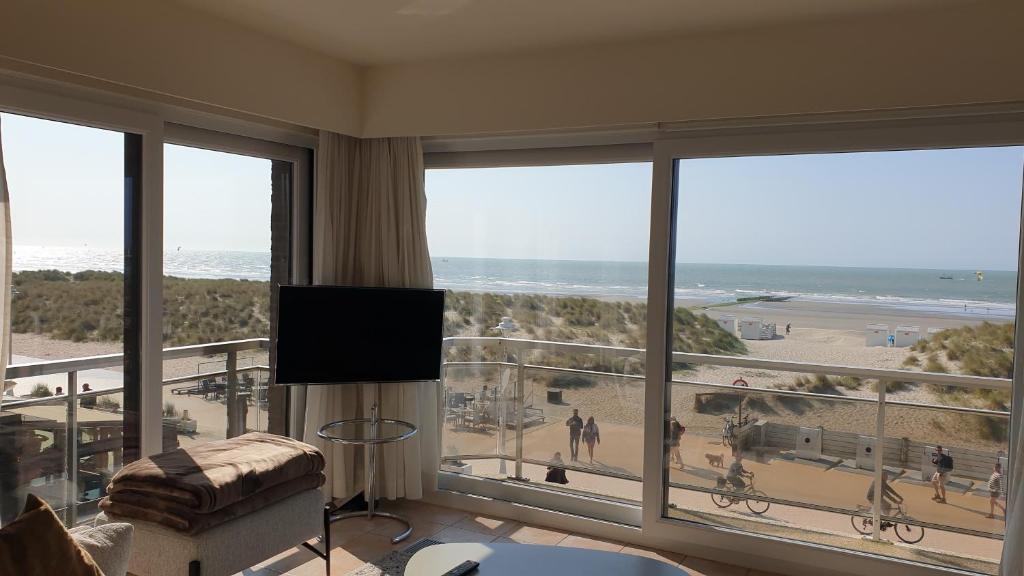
(534, 560)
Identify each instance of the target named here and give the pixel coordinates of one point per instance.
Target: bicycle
(750, 495)
(909, 533)
(728, 431)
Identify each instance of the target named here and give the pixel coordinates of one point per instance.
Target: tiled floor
(357, 541)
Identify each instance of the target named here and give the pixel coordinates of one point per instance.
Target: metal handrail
(509, 345)
(48, 367)
(957, 380)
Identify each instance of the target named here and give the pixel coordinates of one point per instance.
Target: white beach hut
(750, 328)
(877, 335)
(906, 336)
(727, 323)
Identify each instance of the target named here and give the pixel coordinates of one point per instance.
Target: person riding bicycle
(737, 473)
(890, 496)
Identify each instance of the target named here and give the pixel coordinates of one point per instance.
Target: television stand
(370, 432)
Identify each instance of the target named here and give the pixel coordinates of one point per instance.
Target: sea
(947, 291)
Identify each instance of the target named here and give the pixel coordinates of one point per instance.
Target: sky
(939, 209)
(943, 209)
(66, 185)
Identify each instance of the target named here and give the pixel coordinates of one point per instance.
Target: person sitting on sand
(995, 491)
(591, 435)
(889, 495)
(556, 474)
(737, 473)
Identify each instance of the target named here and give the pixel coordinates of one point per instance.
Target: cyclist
(737, 473)
(889, 496)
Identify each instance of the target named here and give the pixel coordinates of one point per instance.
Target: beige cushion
(110, 545)
(37, 544)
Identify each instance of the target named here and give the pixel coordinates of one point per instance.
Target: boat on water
(945, 277)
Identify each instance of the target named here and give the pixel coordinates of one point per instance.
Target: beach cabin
(906, 336)
(877, 335)
(750, 328)
(727, 323)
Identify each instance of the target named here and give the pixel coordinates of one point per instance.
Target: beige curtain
(5, 271)
(369, 229)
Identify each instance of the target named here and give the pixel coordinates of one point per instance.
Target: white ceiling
(386, 31)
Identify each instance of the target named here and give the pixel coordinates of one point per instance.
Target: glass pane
(902, 261)
(548, 264)
(217, 240)
(67, 216)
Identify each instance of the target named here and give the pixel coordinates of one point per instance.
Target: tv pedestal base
(370, 432)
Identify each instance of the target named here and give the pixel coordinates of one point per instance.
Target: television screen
(340, 334)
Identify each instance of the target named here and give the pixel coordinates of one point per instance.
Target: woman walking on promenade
(591, 436)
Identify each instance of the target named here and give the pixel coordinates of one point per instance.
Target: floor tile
(577, 541)
(417, 511)
(451, 535)
(420, 530)
(288, 560)
(701, 567)
(352, 555)
(672, 558)
(534, 535)
(488, 525)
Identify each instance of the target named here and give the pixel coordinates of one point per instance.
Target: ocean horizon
(949, 291)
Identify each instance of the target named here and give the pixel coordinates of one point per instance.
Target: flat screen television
(341, 334)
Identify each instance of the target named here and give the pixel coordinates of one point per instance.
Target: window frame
(953, 127)
(158, 123)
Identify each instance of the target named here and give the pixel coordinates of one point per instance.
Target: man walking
(943, 466)
(575, 424)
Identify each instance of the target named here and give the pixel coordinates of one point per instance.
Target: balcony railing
(507, 360)
(233, 391)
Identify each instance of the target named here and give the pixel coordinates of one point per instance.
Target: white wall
(945, 56)
(968, 55)
(161, 47)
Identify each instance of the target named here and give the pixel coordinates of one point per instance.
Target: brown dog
(716, 460)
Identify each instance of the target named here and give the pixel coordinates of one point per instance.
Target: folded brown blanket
(212, 476)
(130, 504)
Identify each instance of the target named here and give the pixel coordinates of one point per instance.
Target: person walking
(675, 437)
(575, 424)
(591, 436)
(995, 491)
(943, 466)
(788, 326)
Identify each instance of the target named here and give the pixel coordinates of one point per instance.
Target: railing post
(71, 452)
(520, 395)
(234, 419)
(501, 408)
(876, 509)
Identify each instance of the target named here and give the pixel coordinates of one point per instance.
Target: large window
(62, 430)
(546, 274)
(217, 289)
(822, 268)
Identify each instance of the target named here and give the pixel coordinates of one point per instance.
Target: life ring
(740, 382)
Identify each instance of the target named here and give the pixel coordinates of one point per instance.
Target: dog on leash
(716, 460)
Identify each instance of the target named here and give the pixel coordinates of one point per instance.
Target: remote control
(462, 569)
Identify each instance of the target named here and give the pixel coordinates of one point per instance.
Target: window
(546, 274)
(67, 190)
(217, 289)
(795, 276)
